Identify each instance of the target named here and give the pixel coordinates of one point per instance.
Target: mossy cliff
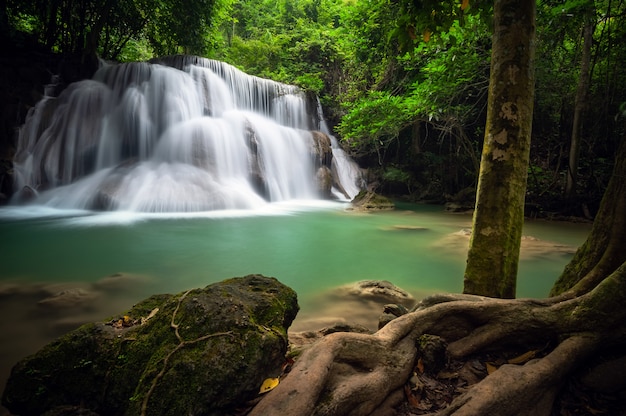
(200, 352)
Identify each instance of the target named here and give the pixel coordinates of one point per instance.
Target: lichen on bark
(493, 258)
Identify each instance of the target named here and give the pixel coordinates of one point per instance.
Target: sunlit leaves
(431, 17)
(105, 27)
(449, 78)
(378, 118)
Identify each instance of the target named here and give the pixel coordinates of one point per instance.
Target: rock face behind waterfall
(199, 352)
(179, 134)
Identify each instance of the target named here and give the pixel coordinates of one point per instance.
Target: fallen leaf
(464, 4)
(490, 368)
(420, 366)
(151, 315)
(412, 399)
(268, 385)
(527, 356)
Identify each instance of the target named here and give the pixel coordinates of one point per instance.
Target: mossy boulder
(371, 201)
(202, 352)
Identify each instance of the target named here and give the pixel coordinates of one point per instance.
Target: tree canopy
(118, 29)
(404, 84)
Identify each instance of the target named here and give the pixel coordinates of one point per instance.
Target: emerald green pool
(312, 250)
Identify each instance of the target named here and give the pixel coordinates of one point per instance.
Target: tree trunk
(498, 219)
(99, 20)
(51, 33)
(604, 250)
(582, 91)
(4, 21)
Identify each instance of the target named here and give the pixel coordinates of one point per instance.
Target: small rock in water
(68, 298)
(378, 290)
(371, 201)
(405, 227)
(359, 303)
(121, 281)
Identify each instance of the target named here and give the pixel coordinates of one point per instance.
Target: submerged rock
(70, 298)
(377, 290)
(355, 304)
(121, 281)
(371, 201)
(199, 352)
(531, 247)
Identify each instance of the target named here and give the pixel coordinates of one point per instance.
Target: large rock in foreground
(196, 353)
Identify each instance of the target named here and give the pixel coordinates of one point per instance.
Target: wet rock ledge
(198, 352)
(371, 201)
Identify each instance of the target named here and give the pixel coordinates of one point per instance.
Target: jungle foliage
(404, 84)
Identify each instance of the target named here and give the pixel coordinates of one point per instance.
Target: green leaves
(377, 118)
(445, 79)
(295, 42)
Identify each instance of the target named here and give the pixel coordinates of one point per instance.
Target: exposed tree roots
(361, 374)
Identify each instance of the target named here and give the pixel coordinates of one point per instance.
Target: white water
(185, 134)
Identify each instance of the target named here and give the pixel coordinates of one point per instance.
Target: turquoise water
(312, 250)
(306, 250)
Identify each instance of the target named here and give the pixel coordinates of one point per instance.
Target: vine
(182, 343)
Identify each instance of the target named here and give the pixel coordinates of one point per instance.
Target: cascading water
(179, 134)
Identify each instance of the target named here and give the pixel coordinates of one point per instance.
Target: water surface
(314, 250)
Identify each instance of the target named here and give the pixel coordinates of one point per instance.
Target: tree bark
(603, 251)
(498, 218)
(582, 91)
(360, 374)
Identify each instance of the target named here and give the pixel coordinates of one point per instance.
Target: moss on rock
(371, 201)
(198, 352)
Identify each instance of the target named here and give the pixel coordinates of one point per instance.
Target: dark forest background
(403, 83)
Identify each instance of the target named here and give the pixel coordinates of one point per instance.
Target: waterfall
(178, 134)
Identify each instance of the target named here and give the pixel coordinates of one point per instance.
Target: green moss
(366, 200)
(111, 370)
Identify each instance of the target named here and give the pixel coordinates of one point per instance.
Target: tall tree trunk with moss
(498, 219)
(580, 105)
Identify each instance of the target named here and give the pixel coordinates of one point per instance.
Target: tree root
(362, 374)
(523, 390)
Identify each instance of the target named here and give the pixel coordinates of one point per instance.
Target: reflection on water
(61, 269)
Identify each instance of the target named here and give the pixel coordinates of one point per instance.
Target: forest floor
(427, 394)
